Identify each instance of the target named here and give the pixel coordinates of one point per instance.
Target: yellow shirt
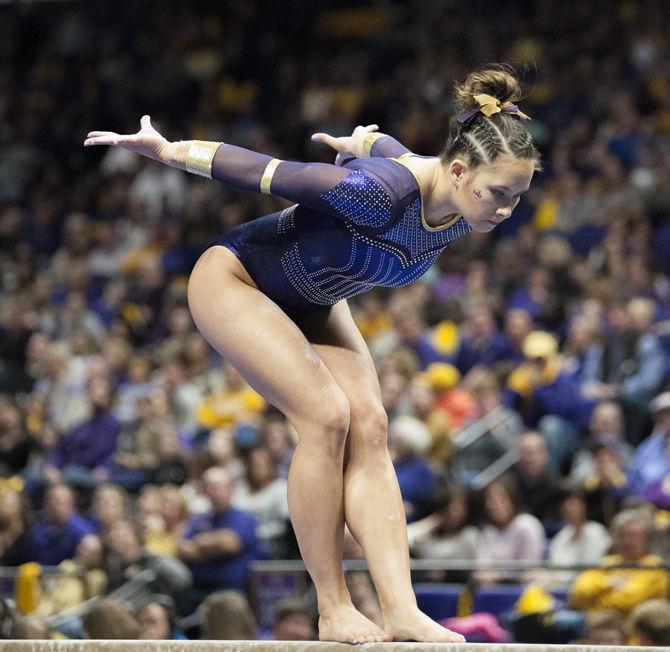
(619, 588)
(229, 407)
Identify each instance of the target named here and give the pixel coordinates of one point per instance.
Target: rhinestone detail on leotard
(360, 199)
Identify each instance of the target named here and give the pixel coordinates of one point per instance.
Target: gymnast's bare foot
(346, 625)
(416, 626)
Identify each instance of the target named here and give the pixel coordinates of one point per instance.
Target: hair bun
(499, 81)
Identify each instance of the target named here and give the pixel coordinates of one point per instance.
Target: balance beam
(291, 646)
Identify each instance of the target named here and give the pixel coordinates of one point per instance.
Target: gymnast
(271, 297)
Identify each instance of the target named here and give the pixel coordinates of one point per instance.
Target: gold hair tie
(489, 105)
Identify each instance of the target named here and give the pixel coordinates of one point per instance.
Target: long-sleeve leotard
(386, 146)
(351, 228)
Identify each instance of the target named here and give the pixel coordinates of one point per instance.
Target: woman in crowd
(509, 533)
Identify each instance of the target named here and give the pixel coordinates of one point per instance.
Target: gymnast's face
(487, 194)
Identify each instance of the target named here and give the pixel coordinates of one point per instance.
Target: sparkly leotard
(352, 228)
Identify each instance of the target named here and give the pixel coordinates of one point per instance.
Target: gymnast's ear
(457, 168)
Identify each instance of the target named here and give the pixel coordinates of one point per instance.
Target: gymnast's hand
(347, 146)
(147, 141)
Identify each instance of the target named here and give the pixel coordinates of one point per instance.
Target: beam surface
(289, 646)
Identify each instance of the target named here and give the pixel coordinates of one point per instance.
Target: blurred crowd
(526, 376)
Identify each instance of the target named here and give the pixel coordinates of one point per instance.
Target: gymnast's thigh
(257, 337)
(338, 342)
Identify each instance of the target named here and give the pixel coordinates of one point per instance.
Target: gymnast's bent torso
(353, 228)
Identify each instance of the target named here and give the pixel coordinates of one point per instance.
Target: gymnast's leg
(271, 353)
(372, 502)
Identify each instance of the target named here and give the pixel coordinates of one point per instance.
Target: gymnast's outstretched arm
(364, 142)
(328, 188)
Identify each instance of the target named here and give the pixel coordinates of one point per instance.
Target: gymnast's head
(489, 154)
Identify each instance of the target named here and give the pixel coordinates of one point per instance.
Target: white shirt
(588, 546)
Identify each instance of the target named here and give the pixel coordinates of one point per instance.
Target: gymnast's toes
(416, 626)
(346, 625)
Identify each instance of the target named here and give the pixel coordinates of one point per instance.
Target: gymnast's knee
(327, 426)
(371, 431)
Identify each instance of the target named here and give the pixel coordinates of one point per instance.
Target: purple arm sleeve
(355, 195)
(388, 147)
(299, 182)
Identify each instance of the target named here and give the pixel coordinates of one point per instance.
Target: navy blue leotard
(352, 228)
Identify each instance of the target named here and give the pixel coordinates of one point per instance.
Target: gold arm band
(266, 179)
(200, 156)
(370, 141)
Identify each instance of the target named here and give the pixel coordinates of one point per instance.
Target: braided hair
(484, 139)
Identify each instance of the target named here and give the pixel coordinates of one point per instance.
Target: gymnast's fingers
(108, 138)
(94, 134)
(328, 140)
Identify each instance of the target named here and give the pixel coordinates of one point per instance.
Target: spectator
(108, 620)
(535, 295)
(582, 346)
(422, 396)
(517, 324)
(136, 386)
(80, 578)
(164, 531)
(629, 365)
(607, 487)
(549, 396)
(55, 537)
(649, 623)
(109, 507)
(14, 515)
(536, 480)
(293, 621)
(128, 559)
(16, 443)
(508, 533)
(156, 620)
(579, 541)
(220, 450)
(606, 427)
(454, 401)
(498, 426)
(152, 452)
(82, 456)
(226, 616)
(605, 627)
(622, 589)
(409, 441)
(410, 330)
(481, 341)
(448, 533)
(277, 438)
(148, 509)
(652, 460)
(217, 546)
(264, 496)
(236, 403)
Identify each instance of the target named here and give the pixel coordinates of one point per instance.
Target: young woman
(270, 297)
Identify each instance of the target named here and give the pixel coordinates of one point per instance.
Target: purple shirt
(652, 461)
(228, 572)
(89, 444)
(49, 544)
